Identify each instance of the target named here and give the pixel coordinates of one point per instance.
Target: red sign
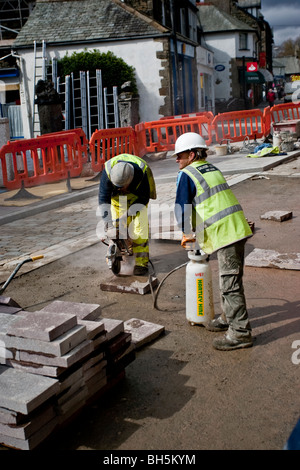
(252, 67)
(262, 59)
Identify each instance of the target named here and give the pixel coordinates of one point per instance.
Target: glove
(112, 232)
(187, 241)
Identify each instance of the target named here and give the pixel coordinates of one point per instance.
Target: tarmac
(57, 219)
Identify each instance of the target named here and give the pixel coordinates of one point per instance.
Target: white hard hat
(189, 141)
(122, 174)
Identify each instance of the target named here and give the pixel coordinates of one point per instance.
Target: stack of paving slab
(54, 362)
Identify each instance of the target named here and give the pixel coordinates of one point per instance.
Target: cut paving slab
(272, 259)
(130, 284)
(142, 332)
(278, 216)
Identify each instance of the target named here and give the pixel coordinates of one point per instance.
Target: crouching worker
(208, 212)
(126, 186)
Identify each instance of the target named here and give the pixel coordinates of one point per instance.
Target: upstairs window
(243, 41)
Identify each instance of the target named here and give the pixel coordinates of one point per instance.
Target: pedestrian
(208, 213)
(126, 186)
(271, 97)
(250, 96)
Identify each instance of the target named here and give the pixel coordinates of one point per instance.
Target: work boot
(226, 343)
(217, 324)
(140, 271)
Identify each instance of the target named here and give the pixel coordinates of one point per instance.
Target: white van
(292, 91)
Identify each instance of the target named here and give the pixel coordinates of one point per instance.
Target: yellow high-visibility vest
(126, 157)
(218, 215)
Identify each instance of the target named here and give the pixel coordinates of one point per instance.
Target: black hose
(163, 280)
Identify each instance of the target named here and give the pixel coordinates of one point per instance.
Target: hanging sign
(252, 67)
(220, 67)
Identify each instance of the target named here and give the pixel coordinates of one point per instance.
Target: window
(243, 41)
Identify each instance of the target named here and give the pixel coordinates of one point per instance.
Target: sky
(284, 18)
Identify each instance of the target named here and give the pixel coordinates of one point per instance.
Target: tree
(114, 70)
(289, 47)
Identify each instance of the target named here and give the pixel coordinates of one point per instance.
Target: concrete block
(23, 392)
(272, 259)
(129, 284)
(142, 332)
(81, 310)
(278, 216)
(67, 360)
(37, 325)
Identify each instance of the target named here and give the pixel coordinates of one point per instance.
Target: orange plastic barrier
(84, 141)
(208, 114)
(285, 111)
(267, 118)
(53, 158)
(141, 144)
(107, 143)
(161, 135)
(236, 125)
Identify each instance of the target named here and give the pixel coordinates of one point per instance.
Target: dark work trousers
(231, 269)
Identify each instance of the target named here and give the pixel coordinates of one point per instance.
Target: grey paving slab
(58, 347)
(113, 327)
(31, 426)
(36, 369)
(67, 360)
(33, 441)
(93, 327)
(37, 325)
(82, 311)
(24, 392)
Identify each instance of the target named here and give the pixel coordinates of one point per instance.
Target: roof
(214, 20)
(84, 21)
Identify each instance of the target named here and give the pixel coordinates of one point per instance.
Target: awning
(254, 77)
(268, 76)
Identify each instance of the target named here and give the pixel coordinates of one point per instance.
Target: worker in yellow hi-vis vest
(208, 212)
(126, 186)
